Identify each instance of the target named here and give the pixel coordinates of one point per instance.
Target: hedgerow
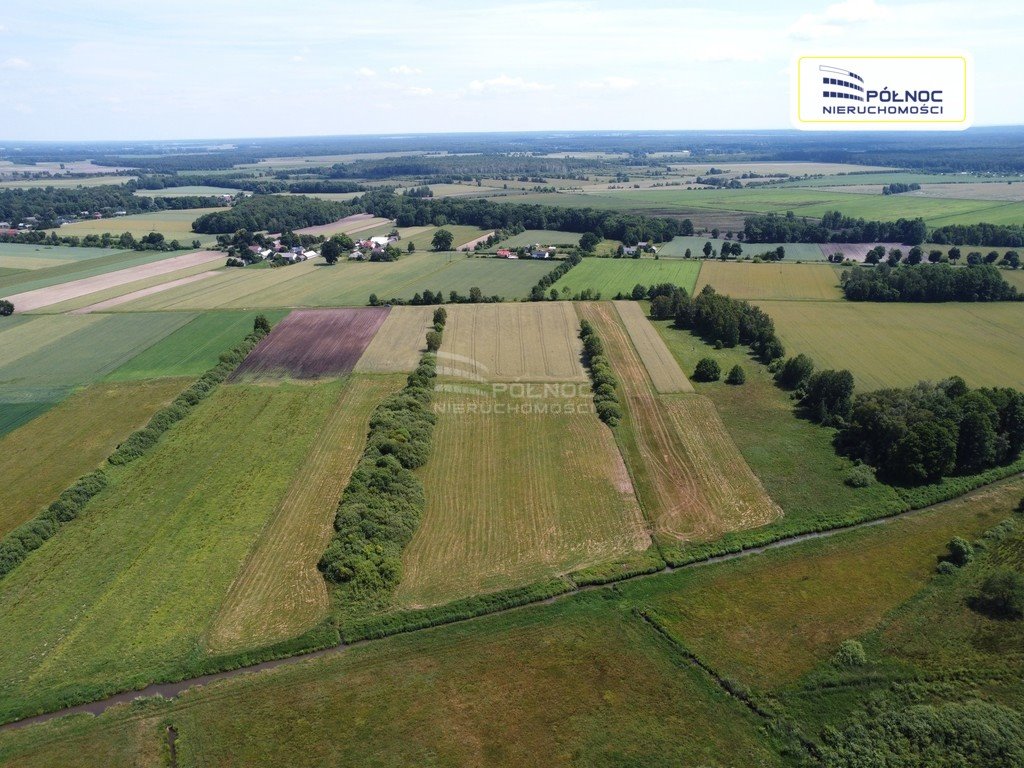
(29, 536)
(606, 401)
(384, 501)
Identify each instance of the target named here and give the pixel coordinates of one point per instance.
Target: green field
(41, 359)
(94, 261)
(201, 191)
(124, 593)
(537, 236)
(794, 251)
(886, 345)
(174, 225)
(613, 276)
(350, 283)
(193, 348)
(49, 453)
(774, 280)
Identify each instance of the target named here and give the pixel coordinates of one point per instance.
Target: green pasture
(613, 276)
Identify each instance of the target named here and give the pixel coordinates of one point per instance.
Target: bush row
(383, 502)
(31, 535)
(605, 400)
(552, 277)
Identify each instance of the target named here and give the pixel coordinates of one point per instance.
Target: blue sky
(113, 69)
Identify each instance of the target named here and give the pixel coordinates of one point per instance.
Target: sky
(114, 69)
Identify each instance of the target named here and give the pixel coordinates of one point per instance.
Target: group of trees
(606, 402)
(273, 213)
(429, 298)
(384, 501)
(726, 322)
(833, 227)
(628, 228)
(932, 282)
(125, 241)
(826, 397)
(6, 308)
(998, 235)
(899, 188)
(47, 204)
(537, 293)
(923, 433)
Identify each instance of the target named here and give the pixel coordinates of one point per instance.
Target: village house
(505, 253)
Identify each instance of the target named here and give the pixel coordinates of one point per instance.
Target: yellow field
(174, 225)
(1014, 277)
(279, 592)
(691, 478)
(43, 457)
(745, 280)
(398, 344)
(534, 341)
(666, 375)
(513, 497)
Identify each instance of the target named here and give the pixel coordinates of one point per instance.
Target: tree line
(48, 204)
(606, 401)
(273, 213)
(552, 277)
(833, 227)
(126, 241)
(927, 283)
(429, 298)
(899, 188)
(383, 502)
(998, 235)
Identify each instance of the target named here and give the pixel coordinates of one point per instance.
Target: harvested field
(44, 297)
(98, 261)
(279, 592)
(516, 496)
(666, 375)
(142, 292)
(357, 222)
(529, 341)
(46, 455)
(774, 280)
(853, 251)
(401, 340)
(310, 343)
(691, 479)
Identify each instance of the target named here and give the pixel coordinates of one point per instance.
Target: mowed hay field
(690, 477)
(173, 225)
(46, 455)
(349, 283)
(311, 343)
(793, 251)
(516, 496)
(614, 276)
(665, 373)
(530, 341)
(775, 281)
(125, 592)
(279, 592)
(398, 345)
(581, 682)
(890, 344)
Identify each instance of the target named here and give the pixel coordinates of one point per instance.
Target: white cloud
(366, 72)
(23, 109)
(505, 84)
(414, 91)
(15, 63)
(831, 22)
(404, 69)
(609, 83)
(298, 59)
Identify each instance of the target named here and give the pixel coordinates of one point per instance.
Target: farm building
(504, 253)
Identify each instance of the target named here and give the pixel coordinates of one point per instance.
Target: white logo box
(883, 93)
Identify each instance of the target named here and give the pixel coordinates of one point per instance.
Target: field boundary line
(174, 688)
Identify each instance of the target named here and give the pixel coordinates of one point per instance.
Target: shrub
(6, 308)
(707, 370)
(795, 372)
(736, 376)
(946, 568)
(609, 413)
(850, 654)
(859, 476)
(440, 316)
(1002, 594)
(960, 552)
(433, 341)
(260, 324)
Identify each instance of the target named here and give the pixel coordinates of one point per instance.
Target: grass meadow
(889, 344)
(677, 247)
(615, 276)
(173, 225)
(125, 592)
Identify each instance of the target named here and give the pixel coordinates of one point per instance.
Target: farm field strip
(691, 478)
(43, 457)
(899, 344)
(99, 261)
(126, 591)
(187, 191)
(143, 292)
(610, 277)
(776, 281)
(279, 592)
(399, 343)
(29, 263)
(678, 246)
(513, 497)
(32, 334)
(537, 237)
(665, 373)
(44, 297)
(357, 222)
(528, 341)
(311, 343)
(174, 225)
